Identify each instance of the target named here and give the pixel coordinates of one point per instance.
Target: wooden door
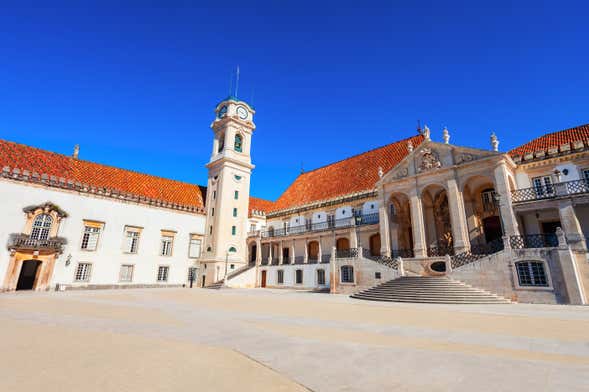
(342, 244)
(313, 251)
(375, 245)
(263, 282)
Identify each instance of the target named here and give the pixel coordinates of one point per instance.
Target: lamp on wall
(68, 260)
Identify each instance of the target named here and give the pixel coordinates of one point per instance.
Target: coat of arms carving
(429, 160)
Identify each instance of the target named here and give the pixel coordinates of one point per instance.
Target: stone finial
(446, 135)
(380, 172)
(494, 142)
(426, 133)
(76, 151)
(409, 146)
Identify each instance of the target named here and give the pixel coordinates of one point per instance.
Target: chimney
(76, 151)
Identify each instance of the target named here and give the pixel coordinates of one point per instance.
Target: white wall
(309, 276)
(370, 207)
(109, 256)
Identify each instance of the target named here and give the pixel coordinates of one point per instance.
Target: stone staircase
(427, 289)
(219, 284)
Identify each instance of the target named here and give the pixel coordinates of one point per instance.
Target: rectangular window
(299, 276)
(166, 246)
(531, 273)
(83, 272)
(211, 229)
(192, 274)
(90, 237)
(280, 277)
(213, 211)
(126, 273)
(194, 248)
(236, 196)
(235, 212)
(131, 241)
(321, 277)
(252, 228)
(233, 230)
(586, 175)
(377, 275)
(162, 273)
(214, 195)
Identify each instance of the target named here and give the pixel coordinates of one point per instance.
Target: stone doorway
(375, 245)
(28, 275)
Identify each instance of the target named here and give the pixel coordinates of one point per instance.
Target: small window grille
(83, 272)
(531, 273)
(347, 274)
(280, 277)
(233, 230)
(235, 212)
(132, 238)
(299, 276)
(166, 246)
(162, 273)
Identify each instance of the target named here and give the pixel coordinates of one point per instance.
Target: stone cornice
(26, 176)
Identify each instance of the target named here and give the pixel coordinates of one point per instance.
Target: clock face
(242, 112)
(222, 111)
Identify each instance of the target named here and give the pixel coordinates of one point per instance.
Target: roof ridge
(71, 159)
(358, 154)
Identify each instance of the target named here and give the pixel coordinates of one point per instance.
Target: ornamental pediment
(430, 157)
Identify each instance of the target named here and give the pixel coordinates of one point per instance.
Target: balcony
(550, 191)
(359, 220)
(24, 242)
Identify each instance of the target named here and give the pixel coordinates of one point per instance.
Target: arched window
(347, 274)
(221, 143)
(41, 227)
(232, 249)
(531, 273)
(238, 143)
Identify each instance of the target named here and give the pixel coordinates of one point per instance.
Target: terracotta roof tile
(101, 176)
(554, 139)
(355, 174)
(260, 205)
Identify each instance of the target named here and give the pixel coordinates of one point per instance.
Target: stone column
(292, 252)
(258, 251)
(280, 253)
(306, 259)
(385, 234)
(417, 225)
(570, 224)
(457, 217)
(319, 256)
(269, 253)
(353, 238)
(508, 218)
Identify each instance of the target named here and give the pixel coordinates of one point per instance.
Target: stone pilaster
(570, 224)
(280, 255)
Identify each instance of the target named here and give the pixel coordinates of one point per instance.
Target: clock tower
(228, 188)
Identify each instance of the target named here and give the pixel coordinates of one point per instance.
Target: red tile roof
(352, 175)
(24, 157)
(258, 204)
(555, 139)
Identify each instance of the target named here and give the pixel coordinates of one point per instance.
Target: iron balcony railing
(350, 253)
(313, 259)
(440, 249)
(299, 260)
(550, 191)
(533, 241)
(25, 242)
(359, 220)
(404, 253)
(384, 260)
(325, 258)
(476, 252)
(285, 260)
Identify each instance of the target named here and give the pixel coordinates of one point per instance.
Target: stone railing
(20, 241)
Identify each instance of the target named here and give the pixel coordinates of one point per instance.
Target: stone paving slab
(281, 340)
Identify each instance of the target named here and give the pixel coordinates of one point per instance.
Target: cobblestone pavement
(279, 340)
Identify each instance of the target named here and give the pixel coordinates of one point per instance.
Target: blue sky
(136, 83)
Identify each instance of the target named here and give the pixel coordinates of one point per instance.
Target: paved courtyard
(270, 340)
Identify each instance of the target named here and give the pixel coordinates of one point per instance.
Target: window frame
(132, 268)
(136, 233)
(324, 277)
(44, 227)
(84, 232)
(344, 275)
(87, 272)
(167, 274)
(280, 276)
(235, 144)
(166, 246)
(296, 280)
(190, 241)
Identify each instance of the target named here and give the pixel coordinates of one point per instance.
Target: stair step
(429, 290)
